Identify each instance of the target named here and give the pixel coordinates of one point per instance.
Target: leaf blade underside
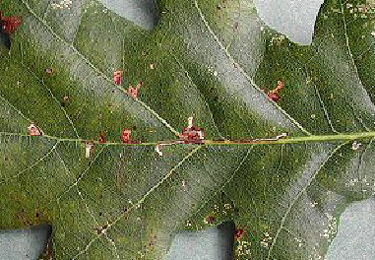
(126, 202)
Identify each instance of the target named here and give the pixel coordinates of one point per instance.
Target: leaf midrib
(266, 141)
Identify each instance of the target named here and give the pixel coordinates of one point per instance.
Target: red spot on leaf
(50, 71)
(9, 24)
(102, 138)
(126, 136)
(135, 92)
(192, 134)
(34, 130)
(238, 234)
(210, 219)
(117, 77)
(275, 94)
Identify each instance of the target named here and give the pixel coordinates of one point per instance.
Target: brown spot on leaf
(102, 138)
(25, 218)
(192, 134)
(126, 136)
(117, 77)
(275, 94)
(101, 229)
(238, 234)
(210, 219)
(152, 239)
(34, 130)
(66, 101)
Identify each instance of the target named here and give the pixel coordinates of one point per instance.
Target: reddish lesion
(102, 139)
(275, 94)
(134, 92)
(192, 134)
(238, 234)
(9, 24)
(34, 130)
(126, 136)
(117, 77)
(189, 135)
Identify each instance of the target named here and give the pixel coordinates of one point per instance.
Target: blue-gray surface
(196, 245)
(294, 18)
(142, 12)
(27, 244)
(214, 243)
(355, 239)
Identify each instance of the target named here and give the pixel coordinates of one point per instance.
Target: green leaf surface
(211, 59)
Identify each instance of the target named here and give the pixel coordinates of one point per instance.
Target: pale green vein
(54, 98)
(347, 37)
(243, 72)
(101, 73)
(202, 97)
(296, 198)
(46, 10)
(142, 200)
(17, 110)
(324, 109)
(32, 165)
(349, 48)
(244, 158)
(89, 211)
(83, 173)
